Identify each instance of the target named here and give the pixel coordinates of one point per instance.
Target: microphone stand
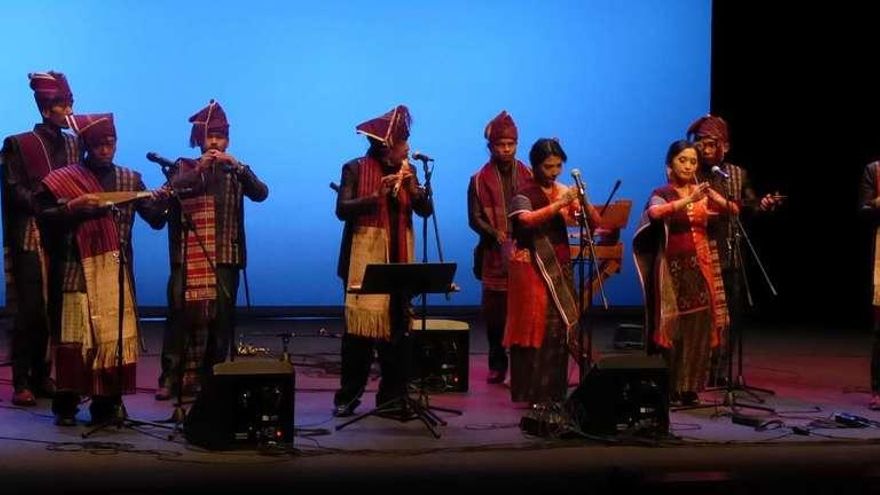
(736, 231)
(429, 195)
(736, 227)
(585, 292)
(247, 301)
(120, 417)
(428, 171)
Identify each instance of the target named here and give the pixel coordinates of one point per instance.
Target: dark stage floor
(814, 371)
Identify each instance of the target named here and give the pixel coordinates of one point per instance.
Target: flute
(397, 184)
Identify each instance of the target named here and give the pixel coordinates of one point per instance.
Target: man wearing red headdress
(710, 135)
(377, 196)
(85, 241)
(207, 256)
(489, 193)
(26, 159)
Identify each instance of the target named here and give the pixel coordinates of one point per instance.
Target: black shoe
(46, 389)
(717, 381)
(496, 376)
(163, 393)
(347, 409)
(65, 420)
(689, 398)
(394, 406)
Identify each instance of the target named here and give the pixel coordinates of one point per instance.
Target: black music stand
(407, 280)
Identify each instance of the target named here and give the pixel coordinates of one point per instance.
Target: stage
(815, 372)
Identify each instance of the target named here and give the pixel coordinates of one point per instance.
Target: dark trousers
(394, 361)
(29, 334)
(721, 355)
(65, 403)
(495, 316)
(875, 354)
(178, 326)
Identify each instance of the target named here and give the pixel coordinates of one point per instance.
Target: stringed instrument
(120, 197)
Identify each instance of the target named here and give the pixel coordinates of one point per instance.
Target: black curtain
(793, 81)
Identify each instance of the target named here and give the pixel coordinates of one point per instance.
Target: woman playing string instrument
(542, 303)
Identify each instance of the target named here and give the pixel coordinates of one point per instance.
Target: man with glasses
(26, 159)
(710, 135)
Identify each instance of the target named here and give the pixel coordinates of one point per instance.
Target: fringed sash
(490, 194)
(720, 313)
(369, 315)
(558, 287)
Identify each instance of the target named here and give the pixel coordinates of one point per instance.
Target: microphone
(610, 197)
(615, 188)
(717, 171)
(422, 157)
(164, 162)
(576, 175)
(225, 166)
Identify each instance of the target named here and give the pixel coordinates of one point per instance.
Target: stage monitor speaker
(628, 336)
(441, 355)
(245, 404)
(623, 393)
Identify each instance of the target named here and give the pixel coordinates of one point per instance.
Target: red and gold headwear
(50, 88)
(93, 128)
(392, 127)
(209, 120)
(501, 127)
(709, 126)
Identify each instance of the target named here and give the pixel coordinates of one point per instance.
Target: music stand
(407, 280)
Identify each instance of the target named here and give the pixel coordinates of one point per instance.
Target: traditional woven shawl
(93, 320)
(369, 315)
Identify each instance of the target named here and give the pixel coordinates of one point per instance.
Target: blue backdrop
(616, 82)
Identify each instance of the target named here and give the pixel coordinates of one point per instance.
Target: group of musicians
(68, 210)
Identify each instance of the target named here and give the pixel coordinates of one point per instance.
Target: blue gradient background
(616, 82)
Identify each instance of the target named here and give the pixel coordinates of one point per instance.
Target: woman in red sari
(542, 303)
(685, 309)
